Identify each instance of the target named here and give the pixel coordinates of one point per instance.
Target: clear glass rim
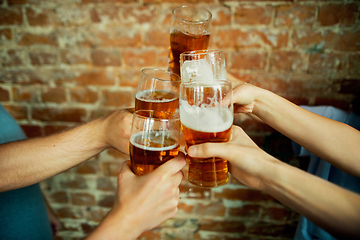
(201, 52)
(144, 70)
(173, 116)
(207, 83)
(190, 21)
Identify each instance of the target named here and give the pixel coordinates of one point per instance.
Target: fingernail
(192, 150)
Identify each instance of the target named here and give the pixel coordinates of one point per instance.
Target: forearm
(330, 140)
(30, 161)
(334, 209)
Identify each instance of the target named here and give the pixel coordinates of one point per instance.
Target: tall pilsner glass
(158, 90)
(153, 140)
(190, 30)
(206, 115)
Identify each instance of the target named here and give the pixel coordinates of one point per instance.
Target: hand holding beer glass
(206, 115)
(158, 90)
(190, 30)
(153, 140)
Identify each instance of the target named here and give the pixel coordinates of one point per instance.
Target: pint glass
(202, 65)
(206, 117)
(190, 30)
(158, 90)
(153, 140)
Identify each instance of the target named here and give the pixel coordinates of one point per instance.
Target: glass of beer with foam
(190, 30)
(206, 115)
(158, 90)
(202, 65)
(153, 140)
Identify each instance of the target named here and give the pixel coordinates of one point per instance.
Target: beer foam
(196, 70)
(144, 95)
(139, 136)
(204, 119)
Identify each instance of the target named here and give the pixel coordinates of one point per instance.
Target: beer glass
(202, 65)
(157, 90)
(190, 30)
(206, 115)
(153, 140)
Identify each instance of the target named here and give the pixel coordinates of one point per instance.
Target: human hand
(247, 162)
(117, 130)
(244, 97)
(142, 202)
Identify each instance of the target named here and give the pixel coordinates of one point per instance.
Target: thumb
(207, 150)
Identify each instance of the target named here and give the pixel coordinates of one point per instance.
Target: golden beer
(206, 118)
(158, 100)
(149, 153)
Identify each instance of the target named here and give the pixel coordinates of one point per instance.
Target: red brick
(76, 182)
(139, 15)
(341, 14)
(41, 57)
(129, 78)
(295, 15)
(29, 39)
(215, 209)
(59, 114)
(17, 112)
(325, 62)
(75, 56)
(347, 41)
(139, 58)
(118, 98)
(111, 168)
(32, 131)
(276, 213)
(88, 167)
(117, 154)
(105, 14)
(158, 38)
(95, 77)
(332, 101)
(13, 58)
(348, 86)
(83, 95)
(83, 199)
(66, 212)
(248, 60)
(56, 95)
(245, 211)
(108, 1)
(106, 57)
(25, 94)
(222, 226)
(234, 38)
(150, 235)
(59, 197)
(221, 15)
(271, 229)
(22, 77)
(288, 61)
(243, 194)
(40, 17)
(4, 94)
(11, 16)
(107, 201)
(87, 228)
(119, 37)
(95, 215)
(18, 2)
(354, 63)
(72, 15)
(105, 184)
(6, 34)
(253, 15)
(51, 129)
(186, 208)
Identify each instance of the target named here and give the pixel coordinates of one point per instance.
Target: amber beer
(149, 153)
(159, 100)
(206, 115)
(182, 42)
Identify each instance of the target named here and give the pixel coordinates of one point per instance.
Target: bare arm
(334, 209)
(335, 142)
(30, 161)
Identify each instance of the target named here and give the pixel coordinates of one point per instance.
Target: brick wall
(66, 62)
